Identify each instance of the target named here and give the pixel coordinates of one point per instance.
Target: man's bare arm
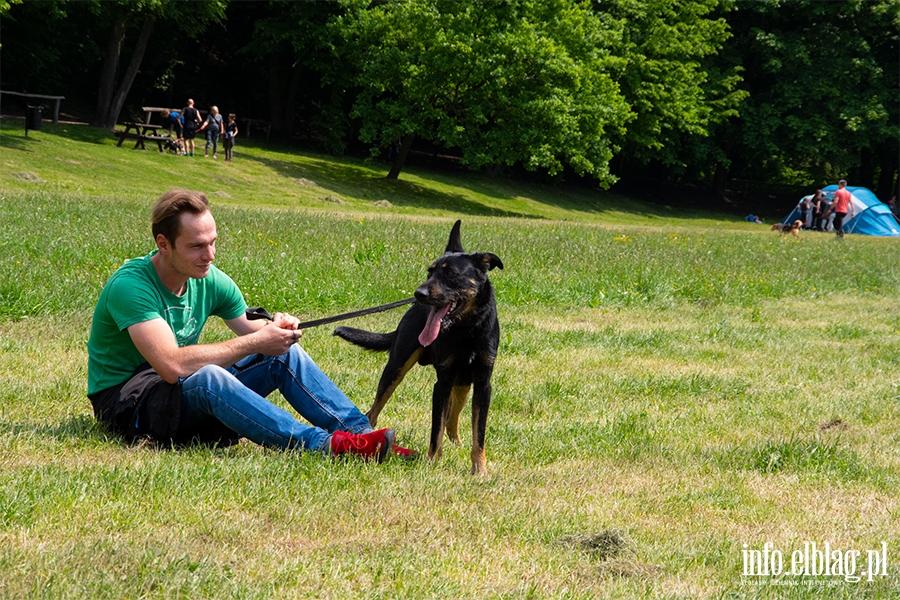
(156, 343)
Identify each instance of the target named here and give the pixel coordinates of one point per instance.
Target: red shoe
(405, 453)
(369, 445)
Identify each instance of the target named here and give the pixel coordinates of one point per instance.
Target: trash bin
(33, 118)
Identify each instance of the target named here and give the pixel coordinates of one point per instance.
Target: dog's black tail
(377, 342)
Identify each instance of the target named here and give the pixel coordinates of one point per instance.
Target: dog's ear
(487, 260)
(454, 244)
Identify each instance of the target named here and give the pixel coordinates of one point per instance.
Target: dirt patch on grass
(615, 551)
(26, 176)
(608, 544)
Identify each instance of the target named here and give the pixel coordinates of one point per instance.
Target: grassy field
(673, 393)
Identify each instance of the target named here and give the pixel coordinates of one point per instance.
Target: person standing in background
(842, 201)
(825, 213)
(804, 207)
(213, 127)
(895, 209)
(191, 118)
(231, 131)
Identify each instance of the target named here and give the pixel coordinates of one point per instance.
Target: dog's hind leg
(391, 377)
(458, 396)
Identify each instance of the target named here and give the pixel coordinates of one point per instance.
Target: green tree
(823, 80)
(36, 55)
(665, 74)
(504, 82)
(124, 17)
(295, 46)
(5, 5)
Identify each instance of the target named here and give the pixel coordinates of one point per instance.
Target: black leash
(257, 312)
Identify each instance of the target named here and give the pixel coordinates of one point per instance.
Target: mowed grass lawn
(673, 393)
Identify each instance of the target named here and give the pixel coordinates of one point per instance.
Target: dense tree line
(696, 91)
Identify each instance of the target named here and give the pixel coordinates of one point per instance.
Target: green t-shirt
(135, 294)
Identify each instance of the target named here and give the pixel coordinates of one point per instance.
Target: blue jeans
(236, 397)
(212, 137)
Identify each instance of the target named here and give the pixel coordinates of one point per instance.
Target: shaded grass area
(664, 397)
(67, 158)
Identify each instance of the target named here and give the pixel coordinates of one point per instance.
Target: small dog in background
(786, 228)
(176, 146)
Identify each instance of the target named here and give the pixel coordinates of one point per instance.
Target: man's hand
(276, 337)
(286, 321)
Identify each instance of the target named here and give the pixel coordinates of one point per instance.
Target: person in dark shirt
(231, 131)
(191, 118)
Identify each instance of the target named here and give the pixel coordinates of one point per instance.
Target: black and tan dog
(174, 145)
(786, 228)
(454, 327)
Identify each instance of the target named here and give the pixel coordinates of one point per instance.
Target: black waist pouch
(147, 405)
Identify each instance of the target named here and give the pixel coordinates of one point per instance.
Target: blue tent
(873, 217)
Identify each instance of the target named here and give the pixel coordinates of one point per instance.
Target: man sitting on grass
(147, 375)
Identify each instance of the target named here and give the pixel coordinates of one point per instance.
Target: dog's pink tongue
(433, 325)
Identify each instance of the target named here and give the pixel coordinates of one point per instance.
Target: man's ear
(162, 243)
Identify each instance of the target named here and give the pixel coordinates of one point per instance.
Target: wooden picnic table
(148, 114)
(149, 110)
(142, 132)
(56, 100)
